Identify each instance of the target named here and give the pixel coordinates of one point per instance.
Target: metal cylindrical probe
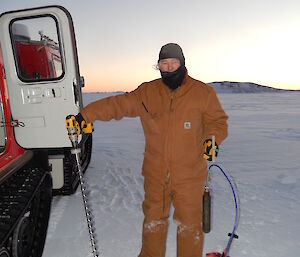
(206, 213)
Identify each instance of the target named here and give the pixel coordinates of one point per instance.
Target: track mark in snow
(59, 204)
(119, 188)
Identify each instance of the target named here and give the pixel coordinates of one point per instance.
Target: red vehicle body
(12, 150)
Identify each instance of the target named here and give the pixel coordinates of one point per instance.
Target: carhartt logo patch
(187, 125)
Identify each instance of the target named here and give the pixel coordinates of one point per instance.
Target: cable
(237, 210)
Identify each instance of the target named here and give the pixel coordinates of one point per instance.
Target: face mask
(174, 79)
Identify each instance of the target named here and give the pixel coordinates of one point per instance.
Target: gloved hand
(208, 149)
(83, 125)
(80, 120)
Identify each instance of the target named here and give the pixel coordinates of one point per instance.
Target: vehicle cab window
(37, 50)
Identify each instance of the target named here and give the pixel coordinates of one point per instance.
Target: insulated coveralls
(175, 123)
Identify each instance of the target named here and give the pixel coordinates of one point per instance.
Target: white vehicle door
(42, 74)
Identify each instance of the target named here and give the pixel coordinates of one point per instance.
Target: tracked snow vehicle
(40, 85)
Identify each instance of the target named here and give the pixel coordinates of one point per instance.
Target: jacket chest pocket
(192, 121)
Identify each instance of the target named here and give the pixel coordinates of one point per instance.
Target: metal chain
(85, 203)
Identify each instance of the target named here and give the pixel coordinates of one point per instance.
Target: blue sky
(235, 40)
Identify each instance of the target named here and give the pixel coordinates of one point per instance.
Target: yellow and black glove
(85, 127)
(208, 149)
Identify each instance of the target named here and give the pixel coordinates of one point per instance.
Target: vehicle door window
(37, 49)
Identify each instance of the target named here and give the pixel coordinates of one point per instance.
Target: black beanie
(171, 50)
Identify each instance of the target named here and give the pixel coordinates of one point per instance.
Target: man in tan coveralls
(178, 113)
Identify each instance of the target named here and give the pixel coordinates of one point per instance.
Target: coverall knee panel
(154, 238)
(189, 241)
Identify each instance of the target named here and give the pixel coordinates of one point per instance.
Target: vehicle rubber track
(16, 195)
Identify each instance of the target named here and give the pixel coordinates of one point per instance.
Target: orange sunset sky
(234, 40)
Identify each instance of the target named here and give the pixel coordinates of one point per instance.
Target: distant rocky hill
(227, 87)
(244, 87)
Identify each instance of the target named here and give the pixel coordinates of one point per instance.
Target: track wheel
(21, 237)
(4, 253)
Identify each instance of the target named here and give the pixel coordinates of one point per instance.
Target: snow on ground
(261, 154)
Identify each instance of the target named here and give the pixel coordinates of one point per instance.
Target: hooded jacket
(175, 124)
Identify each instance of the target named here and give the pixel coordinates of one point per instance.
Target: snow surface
(261, 154)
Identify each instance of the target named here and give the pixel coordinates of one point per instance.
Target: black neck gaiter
(174, 79)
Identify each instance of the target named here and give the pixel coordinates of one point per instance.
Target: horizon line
(208, 83)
